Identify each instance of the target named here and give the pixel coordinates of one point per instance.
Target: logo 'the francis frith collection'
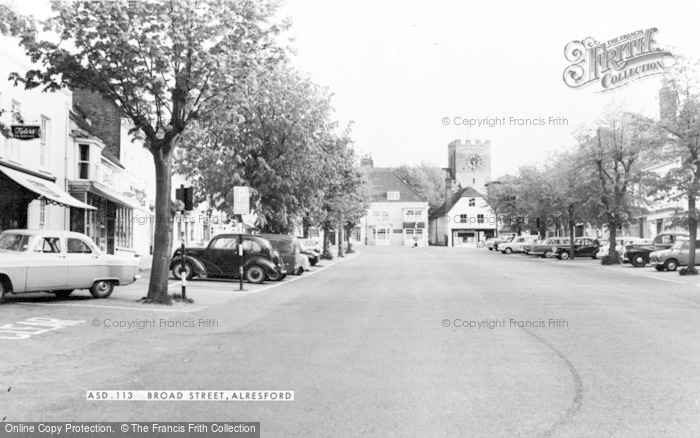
(616, 62)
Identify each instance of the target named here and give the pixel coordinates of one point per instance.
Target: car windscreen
(15, 242)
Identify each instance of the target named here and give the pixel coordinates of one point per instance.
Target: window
(356, 233)
(413, 216)
(50, 245)
(314, 232)
(42, 214)
(380, 234)
(393, 196)
(251, 246)
(124, 227)
(44, 144)
(480, 218)
(225, 243)
(380, 216)
(472, 202)
(84, 161)
(463, 218)
(77, 246)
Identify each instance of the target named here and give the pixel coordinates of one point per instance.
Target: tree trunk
(162, 245)
(613, 259)
(340, 239)
(572, 237)
(693, 231)
(326, 254)
(348, 233)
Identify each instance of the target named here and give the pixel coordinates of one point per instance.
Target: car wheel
(102, 289)
(490, 249)
(63, 293)
(508, 250)
(660, 268)
(594, 257)
(255, 274)
(671, 264)
(546, 254)
(186, 267)
(276, 276)
(638, 261)
(564, 255)
(2, 290)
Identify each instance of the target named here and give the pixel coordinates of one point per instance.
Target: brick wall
(105, 118)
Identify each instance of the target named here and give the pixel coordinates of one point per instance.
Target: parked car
(583, 247)
(516, 245)
(544, 248)
(639, 255)
(59, 262)
(677, 255)
(312, 243)
(492, 241)
(289, 249)
(312, 255)
(497, 244)
(620, 244)
(220, 259)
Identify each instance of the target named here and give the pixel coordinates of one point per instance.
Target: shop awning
(117, 198)
(45, 189)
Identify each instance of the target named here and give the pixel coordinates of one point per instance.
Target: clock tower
(470, 163)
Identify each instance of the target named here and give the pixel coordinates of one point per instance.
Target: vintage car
(677, 255)
(517, 244)
(310, 253)
(583, 247)
(59, 262)
(638, 255)
(290, 250)
(220, 259)
(620, 244)
(544, 248)
(491, 242)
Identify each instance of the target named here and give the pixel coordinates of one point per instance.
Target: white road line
(430, 255)
(664, 279)
(111, 307)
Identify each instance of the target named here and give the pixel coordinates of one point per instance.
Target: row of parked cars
(666, 251)
(261, 256)
(60, 262)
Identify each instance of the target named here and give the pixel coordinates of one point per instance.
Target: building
(33, 172)
(397, 215)
(465, 219)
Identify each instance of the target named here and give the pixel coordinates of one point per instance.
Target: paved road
(381, 345)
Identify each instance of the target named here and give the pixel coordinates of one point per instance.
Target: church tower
(470, 163)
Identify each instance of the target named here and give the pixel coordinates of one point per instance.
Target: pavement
(392, 341)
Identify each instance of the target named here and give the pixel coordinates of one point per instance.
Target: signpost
(26, 132)
(241, 205)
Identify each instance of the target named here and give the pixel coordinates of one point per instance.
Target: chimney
(367, 161)
(448, 194)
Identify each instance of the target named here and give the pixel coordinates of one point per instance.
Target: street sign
(241, 200)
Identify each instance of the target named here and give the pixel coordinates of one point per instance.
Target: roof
(383, 180)
(467, 192)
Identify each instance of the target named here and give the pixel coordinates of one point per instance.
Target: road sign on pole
(241, 200)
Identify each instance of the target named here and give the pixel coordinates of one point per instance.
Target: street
(388, 342)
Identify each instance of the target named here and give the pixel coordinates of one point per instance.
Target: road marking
(430, 255)
(664, 279)
(110, 307)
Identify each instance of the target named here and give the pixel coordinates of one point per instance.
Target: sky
(406, 72)
(397, 68)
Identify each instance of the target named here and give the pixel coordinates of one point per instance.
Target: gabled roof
(467, 192)
(383, 180)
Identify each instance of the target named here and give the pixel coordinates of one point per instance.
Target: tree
(275, 143)
(612, 158)
(425, 179)
(681, 122)
(164, 64)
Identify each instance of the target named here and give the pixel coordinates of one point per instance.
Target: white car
(59, 262)
(517, 244)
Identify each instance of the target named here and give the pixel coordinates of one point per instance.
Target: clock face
(474, 161)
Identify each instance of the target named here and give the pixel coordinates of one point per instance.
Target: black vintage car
(220, 259)
(583, 247)
(638, 256)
